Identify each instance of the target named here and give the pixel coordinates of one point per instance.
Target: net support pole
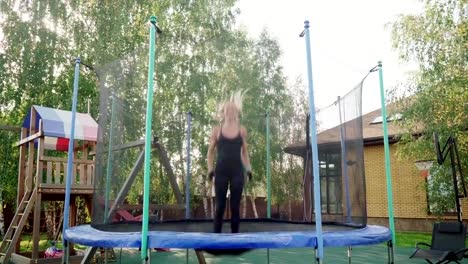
(268, 170)
(187, 180)
(344, 166)
(148, 139)
(313, 143)
(68, 178)
(388, 168)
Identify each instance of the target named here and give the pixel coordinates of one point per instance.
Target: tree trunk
(254, 207)
(50, 221)
(244, 208)
(212, 201)
(205, 207)
(166, 163)
(58, 227)
(289, 210)
(204, 199)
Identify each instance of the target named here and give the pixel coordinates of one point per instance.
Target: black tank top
(229, 151)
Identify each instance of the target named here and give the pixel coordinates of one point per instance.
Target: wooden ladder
(16, 226)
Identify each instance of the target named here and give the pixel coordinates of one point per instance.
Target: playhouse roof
(57, 123)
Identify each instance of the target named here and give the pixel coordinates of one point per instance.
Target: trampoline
(132, 210)
(254, 234)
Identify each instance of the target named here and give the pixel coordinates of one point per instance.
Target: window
(330, 181)
(378, 120)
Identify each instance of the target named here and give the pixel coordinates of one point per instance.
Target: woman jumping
(230, 141)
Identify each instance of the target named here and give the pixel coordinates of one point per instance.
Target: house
(411, 209)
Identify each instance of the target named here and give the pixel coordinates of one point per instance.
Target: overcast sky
(348, 38)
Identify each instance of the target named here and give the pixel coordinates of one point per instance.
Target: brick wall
(409, 195)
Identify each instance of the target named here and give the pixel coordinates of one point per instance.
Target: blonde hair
(236, 99)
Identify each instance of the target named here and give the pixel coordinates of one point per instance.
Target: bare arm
(211, 148)
(244, 151)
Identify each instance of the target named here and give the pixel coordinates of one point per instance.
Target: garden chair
(448, 244)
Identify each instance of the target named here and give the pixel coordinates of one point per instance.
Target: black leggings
(235, 180)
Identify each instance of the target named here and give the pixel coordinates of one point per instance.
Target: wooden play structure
(43, 147)
(42, 171)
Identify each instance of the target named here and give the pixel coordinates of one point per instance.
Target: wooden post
(37, 208)
(22, 175)
(89, 174)
(21, 167)
(72, 220)
(39, 162)
(84, 166)
(74, 180)
(49, 172)
(36, 226)
(31, 150)
(58, 172)
(64, 166)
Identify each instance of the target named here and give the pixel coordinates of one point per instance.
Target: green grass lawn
(26, 243)
(409, 239)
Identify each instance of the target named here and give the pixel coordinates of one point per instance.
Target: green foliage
(435, 99)
(200, 59)
(441, 198)
(9, 166)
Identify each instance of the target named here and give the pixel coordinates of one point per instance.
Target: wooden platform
(20, 259)
(60, 188)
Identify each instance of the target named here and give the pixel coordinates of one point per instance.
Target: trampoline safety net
(278, 147)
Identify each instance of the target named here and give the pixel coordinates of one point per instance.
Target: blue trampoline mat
(118, 238)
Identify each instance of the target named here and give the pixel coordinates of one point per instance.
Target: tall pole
(68, 178)
(454, 179)
(388, 168)
(148, 139)
(187, 180)
(268, 170)
(313, 143)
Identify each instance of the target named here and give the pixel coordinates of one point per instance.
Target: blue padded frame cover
(89, 236)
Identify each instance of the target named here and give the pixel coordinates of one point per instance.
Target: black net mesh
(341, 160)
(119, 159)
(286, 171)
(180, 188)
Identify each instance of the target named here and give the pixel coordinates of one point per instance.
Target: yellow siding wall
(409, 196)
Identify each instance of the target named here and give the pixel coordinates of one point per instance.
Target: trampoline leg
(89, 254)
(317, 260)
(268, 256)
(350, 251)
(148, 258)
(390, 252)
(200, 257)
